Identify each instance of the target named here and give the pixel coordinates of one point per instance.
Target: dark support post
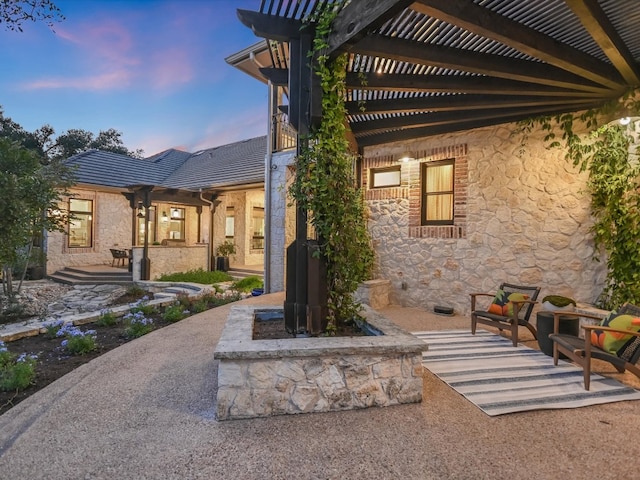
(306, 292)
(145, 263)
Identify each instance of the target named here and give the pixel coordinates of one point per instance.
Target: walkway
(145, 411)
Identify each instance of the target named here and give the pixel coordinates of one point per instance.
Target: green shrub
(175, 313)
(52, 328)
(247, 284)
(77, 342)
(136, 291)
(183, 299)
(197, 276)
(107, 319)
(137, 324)
(199, 306)
(142, 305)
(16, 373)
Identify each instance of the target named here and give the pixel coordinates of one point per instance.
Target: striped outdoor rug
(499, 378)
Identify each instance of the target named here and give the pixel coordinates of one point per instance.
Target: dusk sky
(153, 70)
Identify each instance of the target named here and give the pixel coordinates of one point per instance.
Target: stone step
(76, 276)
(239, 273)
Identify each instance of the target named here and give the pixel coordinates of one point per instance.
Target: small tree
(30, 194)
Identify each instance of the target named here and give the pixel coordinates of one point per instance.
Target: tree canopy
(49, 147)
(13, 13)
(30, 193)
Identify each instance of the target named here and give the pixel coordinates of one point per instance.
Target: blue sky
(153, 70)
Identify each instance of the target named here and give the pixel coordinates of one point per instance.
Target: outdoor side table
(569, 325)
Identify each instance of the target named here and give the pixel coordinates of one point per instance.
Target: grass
(197, 276)
(247, 284)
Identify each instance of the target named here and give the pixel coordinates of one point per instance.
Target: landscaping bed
(54, 360)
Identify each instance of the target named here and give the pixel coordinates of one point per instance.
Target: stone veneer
(521, 216)
(259, 378)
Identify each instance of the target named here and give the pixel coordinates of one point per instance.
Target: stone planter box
(259, 378)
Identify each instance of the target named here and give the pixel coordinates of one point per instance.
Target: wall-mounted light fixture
(165, 217)
(140, 210)
(407, 157)
(175, 213)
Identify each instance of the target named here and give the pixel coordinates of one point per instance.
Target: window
(385, 177)
(176, 224)
(152, 226)
(229, 226)
(257, 220)
(437, 192)
(81, 224)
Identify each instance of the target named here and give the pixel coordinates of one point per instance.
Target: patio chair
(119, 256)
(581, 351)
(511, 308)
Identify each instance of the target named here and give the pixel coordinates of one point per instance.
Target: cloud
(250, 124)
(169, 68)
(106, 81)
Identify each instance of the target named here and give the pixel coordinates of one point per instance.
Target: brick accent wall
(411, 188)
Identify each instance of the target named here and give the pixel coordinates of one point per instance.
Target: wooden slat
(600, 28)
(484, 22)
(475, 62)
(458, 84)
(447, 103)
(453, 116)
(421, 132)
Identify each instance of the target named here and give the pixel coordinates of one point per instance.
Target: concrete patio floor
(145, 410)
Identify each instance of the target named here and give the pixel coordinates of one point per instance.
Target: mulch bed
(54, 361)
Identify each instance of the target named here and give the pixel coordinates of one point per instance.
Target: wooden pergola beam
(492, 65)
(590, 13)
(484, 22)
(448, 103)
(357, 18)
(429, 131)
(272, 27)
(454, 116)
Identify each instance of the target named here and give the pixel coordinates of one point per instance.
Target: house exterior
(173, 208)
(520, 215)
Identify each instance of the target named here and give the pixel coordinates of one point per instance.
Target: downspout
(210, 253)
(267, 186)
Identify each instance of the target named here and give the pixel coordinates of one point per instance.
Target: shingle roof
(234, 164)
(238, 163)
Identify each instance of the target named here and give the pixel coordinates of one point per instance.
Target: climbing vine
(325, 185)
(609, 153)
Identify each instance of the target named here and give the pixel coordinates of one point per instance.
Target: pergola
(430, 67)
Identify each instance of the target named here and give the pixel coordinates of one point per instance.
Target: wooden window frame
(392, 168)
(424, 194)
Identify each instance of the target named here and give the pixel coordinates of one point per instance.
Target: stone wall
(171, 259)
(242, 203)
(112, 229)
(282, 219)
(258, 378)
(526, 220)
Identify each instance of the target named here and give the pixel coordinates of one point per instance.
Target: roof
(239, 163)
(428, 67)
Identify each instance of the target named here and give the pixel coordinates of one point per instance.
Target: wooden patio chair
(581, 351)
(511, 308)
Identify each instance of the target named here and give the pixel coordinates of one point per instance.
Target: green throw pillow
(613, 342)
(503, 302)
